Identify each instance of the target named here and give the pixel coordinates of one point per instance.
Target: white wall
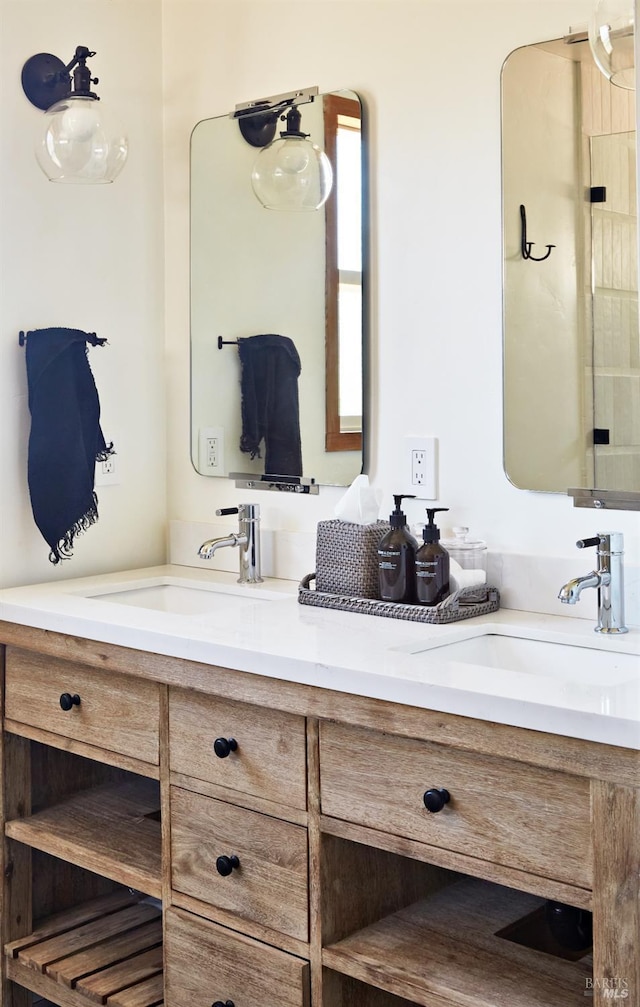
(429, 73)
(89, 257)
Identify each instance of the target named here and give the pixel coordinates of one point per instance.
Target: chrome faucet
(247, 540)
(608, 579)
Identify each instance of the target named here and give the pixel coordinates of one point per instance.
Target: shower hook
(526, 246)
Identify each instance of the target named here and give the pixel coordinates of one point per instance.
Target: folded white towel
(458, 577)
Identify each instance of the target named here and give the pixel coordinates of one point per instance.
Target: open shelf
(446, 946)
(106, 951)
(112, 830)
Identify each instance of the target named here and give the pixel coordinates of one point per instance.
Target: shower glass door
(616, 350)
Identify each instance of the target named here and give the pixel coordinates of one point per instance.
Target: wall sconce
(290, 173)
(80, 142)
(611, 38)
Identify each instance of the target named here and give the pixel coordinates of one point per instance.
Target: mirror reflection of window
(342, 127)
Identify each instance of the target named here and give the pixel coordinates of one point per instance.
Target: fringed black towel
(270, 408)
(65, 439)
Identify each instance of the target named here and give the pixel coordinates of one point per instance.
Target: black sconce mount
(258, 120)
(46, 79)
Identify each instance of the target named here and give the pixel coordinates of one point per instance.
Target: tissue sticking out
(360, 504)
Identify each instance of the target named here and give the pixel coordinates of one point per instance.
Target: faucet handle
(583, 543)
(608, 542)
(248, 511)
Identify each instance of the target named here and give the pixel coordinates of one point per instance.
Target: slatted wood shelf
(107, 951)
(112, 830)
(444, 949)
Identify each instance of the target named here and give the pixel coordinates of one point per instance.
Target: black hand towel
(65, 439)
(270, 408)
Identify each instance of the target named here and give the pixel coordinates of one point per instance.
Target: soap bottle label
(397, 574)
(432, 577)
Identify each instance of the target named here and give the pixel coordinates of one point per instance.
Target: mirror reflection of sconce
(290, 173)
(81, 141)
(611, 38)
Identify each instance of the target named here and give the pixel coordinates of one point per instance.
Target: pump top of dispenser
(397, 519)
(430, 532)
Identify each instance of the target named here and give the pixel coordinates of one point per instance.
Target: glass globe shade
(81, 142)
(611, 38)
(292, 174)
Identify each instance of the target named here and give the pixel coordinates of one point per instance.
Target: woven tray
(466, 603)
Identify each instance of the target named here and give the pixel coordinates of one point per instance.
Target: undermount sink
(181, 595)
(569, 663)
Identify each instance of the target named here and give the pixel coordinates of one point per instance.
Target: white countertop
(572, 691)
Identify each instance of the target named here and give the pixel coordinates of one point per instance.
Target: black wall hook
(525, 245)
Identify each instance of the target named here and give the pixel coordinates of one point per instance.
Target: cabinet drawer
(269, 760)
(269, 886)
(116, 712)
(205, 963)
(509, 813)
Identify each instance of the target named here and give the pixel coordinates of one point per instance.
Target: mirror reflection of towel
(65, 440)
(270, 366)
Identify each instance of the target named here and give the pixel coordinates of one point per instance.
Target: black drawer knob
(223, 746)
(223, 1003)
(436, 798)
(67, 701)
(224, 865)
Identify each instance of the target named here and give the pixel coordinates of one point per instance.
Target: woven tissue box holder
(347, 557)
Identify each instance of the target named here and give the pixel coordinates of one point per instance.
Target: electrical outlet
(211, 451)
(212, 448)
(420, 467)
(106, 472)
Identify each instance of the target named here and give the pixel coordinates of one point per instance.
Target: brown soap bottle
(432, 564)
(396, 558)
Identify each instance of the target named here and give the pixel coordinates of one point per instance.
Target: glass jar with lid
(465, 549)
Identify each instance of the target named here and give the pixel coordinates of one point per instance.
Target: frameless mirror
(571, 342)
(298, 276)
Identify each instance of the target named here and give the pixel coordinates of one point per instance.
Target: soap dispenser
(396, 558)
(432, 564)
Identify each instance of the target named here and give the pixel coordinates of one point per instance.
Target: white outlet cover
(425, 488)
(107, 473)
(204, 467)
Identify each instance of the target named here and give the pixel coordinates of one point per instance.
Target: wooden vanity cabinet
(207, 963)
(239, 861)
(118, 713)
(501, 811)
(251, 750)
(191, 835)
